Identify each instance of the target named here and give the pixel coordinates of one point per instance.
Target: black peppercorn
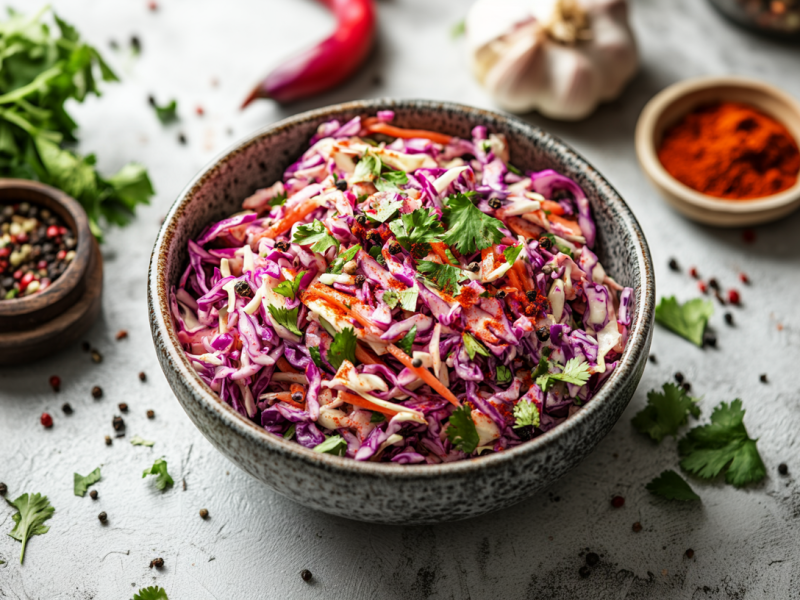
(584, 571)
(495, 203)
(123, 407)
(653, 359)
(3, 489)
(86, 346)
(181, 138)
(687, 387)
(689, 553)
(763, 378)
(118, 423)
(142, 376)
(473, 267)
(103, 517)
(543, 333)
(97, 392)
(524, 433)
(67, 408)
(297, 397)
(545, 243)
(711, 340)
(637, 527)
(203, 513)
(395, 248)
(306, 575)
(341, 185)
(108, 440)
(374, 237)
(282, 246)
(151, 414)
(729, 318)
(93, 494)
(500, 294)
(679, 377)
(242, 288)
(360, 280)
(157, 563)
(531, 295)
(713, 283)
(416, 363)
(783, 469)
(592, 559)
(673, 264)
(361, 219)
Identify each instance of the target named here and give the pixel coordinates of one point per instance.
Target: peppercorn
(543, 333)
(395, 248)
(584, 571)
(545, 243)
(118, 423)
(157, 563)
(416, 363)
(360, 280)
(733, 297)
(713, 283)
(123, 407)
(473, 267)
(783, 469)
(306, 575)
(592, 559)
(93, 494)
(67, 408)
(693, 272)
(729, 318)
(524, 433)
(689, 553)
(679, 377)
(96, 356)
(361, 219)
(341, 185)
(282, 246)
(97, 392)
(701, 285)
(297, 397)
(108, 440)
(531, 295)
(55, 383)
(637, 527)
(374, 237)
(744, 278)
(495, 203)
(3, 489)
(618, 502)
(687, 387)
(203, 513)
(103, 517)
(85, 346)
(242, 288)
(121, 334)
(500, 294)
(46, 420)
(711, 340)
(181, 138)
(142, 376)
(763, 378)
(673, 264)
(151, 414)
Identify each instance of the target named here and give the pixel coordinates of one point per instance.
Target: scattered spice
(97, 392)
(687, 387)
(763, 378)
(67, 408)
(122, 334)
(653, 359)
(85, 346)
(142, 376)
(733, 297)
(783, 469)
(592, 559)
(46, 420)
(719, 297)
(151, 414)
(713, 283)
(118, 423)
(636, 527)
(744, 278)
(96, 356)
(55, 383)
(673, 264)
(693, 272)
(136, 44)
(123, 407)
(182, 138)
(157, 563)
(702, 286)
(679, 377)
(729, 318)
(306, 575)
(103, 517)
(584, 571)
(3, 488)
(93, 494)
(108, 440)
(618, 502)
(689, 553)
(200, 111)
(710, 340)
(203, 513)
(731, 150)
(152, 6)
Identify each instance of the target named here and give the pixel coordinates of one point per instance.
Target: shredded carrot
(423, 374)
(292, 216)
(287, 398)
(337, 299)
(524, 228)
(366, 357)
(399, 132)
(522, 274)
(284, 366)
(553, 207)
(356, 400)
(513, 279)
(296, 388)
(439, 249)
(571, 226)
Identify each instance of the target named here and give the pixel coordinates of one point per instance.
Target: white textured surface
(254, 545)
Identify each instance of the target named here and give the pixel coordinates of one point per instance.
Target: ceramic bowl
(670, 105)
(390, 493)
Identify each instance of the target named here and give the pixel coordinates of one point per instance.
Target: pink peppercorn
(733, 297)
(693, 272)
(702, 286)
(618, 502)
(46, 420)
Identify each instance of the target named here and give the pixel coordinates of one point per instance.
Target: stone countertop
(746, 542)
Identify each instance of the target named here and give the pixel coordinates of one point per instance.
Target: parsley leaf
(344, 258)
(151, 593)
(526, 413)
(468, 228)
(159, 468)
(503, 374)
(407, 299)
(462, 432)
(81, 483)
(671, 486)
(139, 441)
(167, 113)
(390, 181)
(708, 449)
(32, 512)
(286, 317)
(575, 372)
(665, 413)
(417, 229)
(334, 444)
(473, 346)
(407, 342)
(444, 277)
(288, 288)
(688, 320)
(342, 348)
(317, 234)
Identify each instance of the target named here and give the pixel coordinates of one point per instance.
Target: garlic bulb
(560, 57)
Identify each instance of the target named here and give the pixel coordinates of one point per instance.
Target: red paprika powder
(731, 150)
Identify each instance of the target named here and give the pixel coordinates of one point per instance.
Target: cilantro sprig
(417, 229)
(671, 486)
(159, 469)
(526, 413)
(151, 593)
(688, 320)
(289, 288)
(473, 346)
(287, 318)
(444, 277)
(316, 235)
(723, 444)
(166, 114)
(575, 372)
(665, 412)
(468, 228)
(342, 348)
(32, 511)
(81, 484)
(461, 430)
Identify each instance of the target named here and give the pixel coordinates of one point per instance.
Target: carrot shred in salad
(404, 296)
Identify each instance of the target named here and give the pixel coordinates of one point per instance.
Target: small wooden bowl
(34, 326)
(670, 105)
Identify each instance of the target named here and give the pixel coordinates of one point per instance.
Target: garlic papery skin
(560, 57)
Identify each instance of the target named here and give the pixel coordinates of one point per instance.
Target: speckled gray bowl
(389, 493)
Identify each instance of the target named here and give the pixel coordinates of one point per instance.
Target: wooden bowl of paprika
(723, 150)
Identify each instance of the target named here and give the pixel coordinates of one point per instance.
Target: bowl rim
(161, 320)
(648, 157)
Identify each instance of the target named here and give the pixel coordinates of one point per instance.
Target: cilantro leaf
(544, 365)
(316, 235)
(473, 346)
(367, 169)
(417, 229)
(575, 372)
(81, 483)
(671, 486)
(707, 450)
(461, 430)
(288, 288)
(167, 113)
(526, 413)
(151, 593)
(468, 228)
(445, 277)
(407, 299)
(334, 444)
(665, 412)
(286, 317)
(344, 258)
(377, 417)
(503, 374)
(140, 441)
(278, 200)
(32, 512)
(407, 342)
(159, 468)
(290, 432)
(316, 356)
(342, 348)
(389, 181)
(688, 320)
(511, 253)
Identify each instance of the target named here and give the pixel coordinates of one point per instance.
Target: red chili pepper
(328, 63)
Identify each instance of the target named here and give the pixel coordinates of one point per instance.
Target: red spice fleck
(693, 272)
(46, 420)
(468, 297)
(744, 278)
(200, 111)
(55, 382)
(702, 286)
(618, 502)
(749, 235)
(152, 6)
(733, 297)
(122, 334)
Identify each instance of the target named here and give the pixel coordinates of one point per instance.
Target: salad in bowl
(403, 296)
